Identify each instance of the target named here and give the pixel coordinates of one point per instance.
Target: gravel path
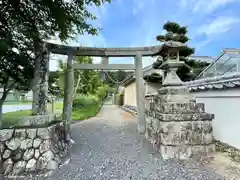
(108, 147)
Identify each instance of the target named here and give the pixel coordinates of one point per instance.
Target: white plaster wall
(130, 94)
(225, 105)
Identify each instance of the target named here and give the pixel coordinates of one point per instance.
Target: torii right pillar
(177, 126)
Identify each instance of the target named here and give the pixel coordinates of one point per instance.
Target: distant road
(16, 107)
(19, 107)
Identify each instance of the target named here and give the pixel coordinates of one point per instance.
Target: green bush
(84, 101)
(102, 92)
(86, 106)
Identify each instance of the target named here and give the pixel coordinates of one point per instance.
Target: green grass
(11, 118)
(58, 106)
(78, 114)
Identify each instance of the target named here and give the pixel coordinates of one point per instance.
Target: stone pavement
(108, 147)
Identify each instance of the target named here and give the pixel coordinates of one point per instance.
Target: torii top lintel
(103, 52)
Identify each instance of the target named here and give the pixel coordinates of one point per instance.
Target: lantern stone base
(177, 126)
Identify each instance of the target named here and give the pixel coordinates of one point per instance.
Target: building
(129, 83)
(218, 87)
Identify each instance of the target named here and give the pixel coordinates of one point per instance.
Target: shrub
(85, 106)
(102, 92)
(84, 101)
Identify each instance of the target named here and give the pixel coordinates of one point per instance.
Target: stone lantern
(176, 125)
(170, 50)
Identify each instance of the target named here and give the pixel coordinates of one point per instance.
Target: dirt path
(108, 147)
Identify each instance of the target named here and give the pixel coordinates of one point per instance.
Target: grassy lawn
(11, 118)
(78, 114)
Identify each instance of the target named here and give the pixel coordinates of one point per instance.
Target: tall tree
(53, 86)
(85, 81)
(178, 33)
(16, 72)
(24, 24)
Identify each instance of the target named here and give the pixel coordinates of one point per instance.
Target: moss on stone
(233, 152)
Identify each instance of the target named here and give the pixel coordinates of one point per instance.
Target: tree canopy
(178, 33)
(24, 24)
(85, 81)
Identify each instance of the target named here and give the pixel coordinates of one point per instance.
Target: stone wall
(32, 149)
(130, 109)
(176, 125)
(37, 119)
(232, 152)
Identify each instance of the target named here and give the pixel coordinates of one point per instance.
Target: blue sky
(212, 25)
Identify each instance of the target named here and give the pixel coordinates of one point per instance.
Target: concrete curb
(129, 111)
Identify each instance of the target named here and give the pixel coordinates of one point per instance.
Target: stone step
(180, 108)
(188, 133)
(182, 117)
(176, 98)
(184, 152)
(171, 90)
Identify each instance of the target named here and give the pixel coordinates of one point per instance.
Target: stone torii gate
(136, 52)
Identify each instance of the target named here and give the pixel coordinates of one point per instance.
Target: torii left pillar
(140, 94)
(68, 93)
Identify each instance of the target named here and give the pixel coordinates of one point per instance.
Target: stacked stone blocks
(177, 126)
(32, 149)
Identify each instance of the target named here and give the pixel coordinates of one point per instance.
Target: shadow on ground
(108, 147)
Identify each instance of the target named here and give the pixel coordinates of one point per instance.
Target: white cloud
(218, 26)
(199, 45)
(183, 3)
(208, 6)
(214, 29)
(138, 6)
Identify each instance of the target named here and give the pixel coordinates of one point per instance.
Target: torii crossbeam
(105, 53)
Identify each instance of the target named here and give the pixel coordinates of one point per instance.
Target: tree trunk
(36, 82)
(68, 93)
(77, 85)
(1, 113)
(44, 73)
(40, 82)
(2, 100)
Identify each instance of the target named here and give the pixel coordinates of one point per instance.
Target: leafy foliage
(178, 33)
(85, 81)
(85, 106)
(154, 77)
(115, 76)
(89, 80)
(53, 79)
(83, 101)
(24, 24)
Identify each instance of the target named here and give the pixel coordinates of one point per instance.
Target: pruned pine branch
(178, 33)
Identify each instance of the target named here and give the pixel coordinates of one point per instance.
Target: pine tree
(178, 33)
